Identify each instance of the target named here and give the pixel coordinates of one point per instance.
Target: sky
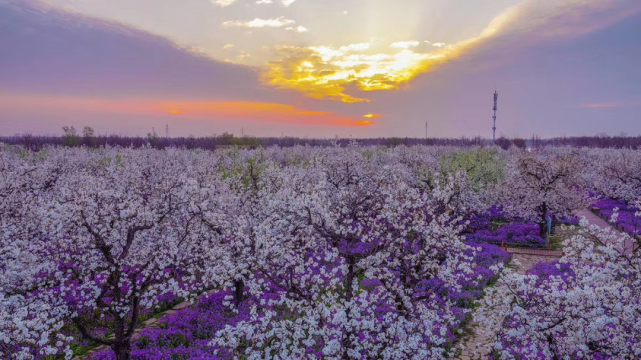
(321, 68)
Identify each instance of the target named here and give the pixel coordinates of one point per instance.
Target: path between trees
(593, 219)
(477, 343)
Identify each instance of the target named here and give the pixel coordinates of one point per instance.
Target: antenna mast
(167, 131)
(426, 130)
(496, 102)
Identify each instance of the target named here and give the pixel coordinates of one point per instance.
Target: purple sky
(302, 68)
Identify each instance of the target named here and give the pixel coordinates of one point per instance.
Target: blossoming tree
(586, 306)
(120, 229)
(541, 182)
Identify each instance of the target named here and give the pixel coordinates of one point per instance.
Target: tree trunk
(123, 352)
(349, 282)
(122, 348)
(122, 341)
(239, 292)
(543, 229)
(543, 224)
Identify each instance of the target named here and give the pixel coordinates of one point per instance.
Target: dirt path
(593, 219)
(478, 342)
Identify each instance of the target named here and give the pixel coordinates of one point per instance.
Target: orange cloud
(372, 116)
(244, 110)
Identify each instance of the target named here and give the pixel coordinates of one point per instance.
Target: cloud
(601, 105)
(276, 113)
(285, 3)
(372, 116)
(228, 46)
(261, 23)
(223, 3)
(244, 56)
(325, 72)
(404, 44)
(50, 51)
(300, 29)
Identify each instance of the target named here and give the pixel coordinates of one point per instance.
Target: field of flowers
(341, 252)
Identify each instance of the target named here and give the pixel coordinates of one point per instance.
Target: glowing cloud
(261, 23)
(250, 110)
(325, 72)
(372, 116)
(336, 73)
(196, 109)
(287, 2)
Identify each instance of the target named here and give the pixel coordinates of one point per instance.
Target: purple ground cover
(514, 234)
(544, 270)
(187, 333)
(626, 221)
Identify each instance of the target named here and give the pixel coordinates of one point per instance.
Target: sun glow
(195, 110)
(345, 73)
(272, 112)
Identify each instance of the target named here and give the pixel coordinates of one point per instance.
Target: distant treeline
(72, 139)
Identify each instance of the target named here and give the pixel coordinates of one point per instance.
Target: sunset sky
(321, 68)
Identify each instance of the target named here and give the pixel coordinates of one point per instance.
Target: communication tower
(496, 102)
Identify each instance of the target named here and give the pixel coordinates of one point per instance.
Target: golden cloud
(332, 73)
